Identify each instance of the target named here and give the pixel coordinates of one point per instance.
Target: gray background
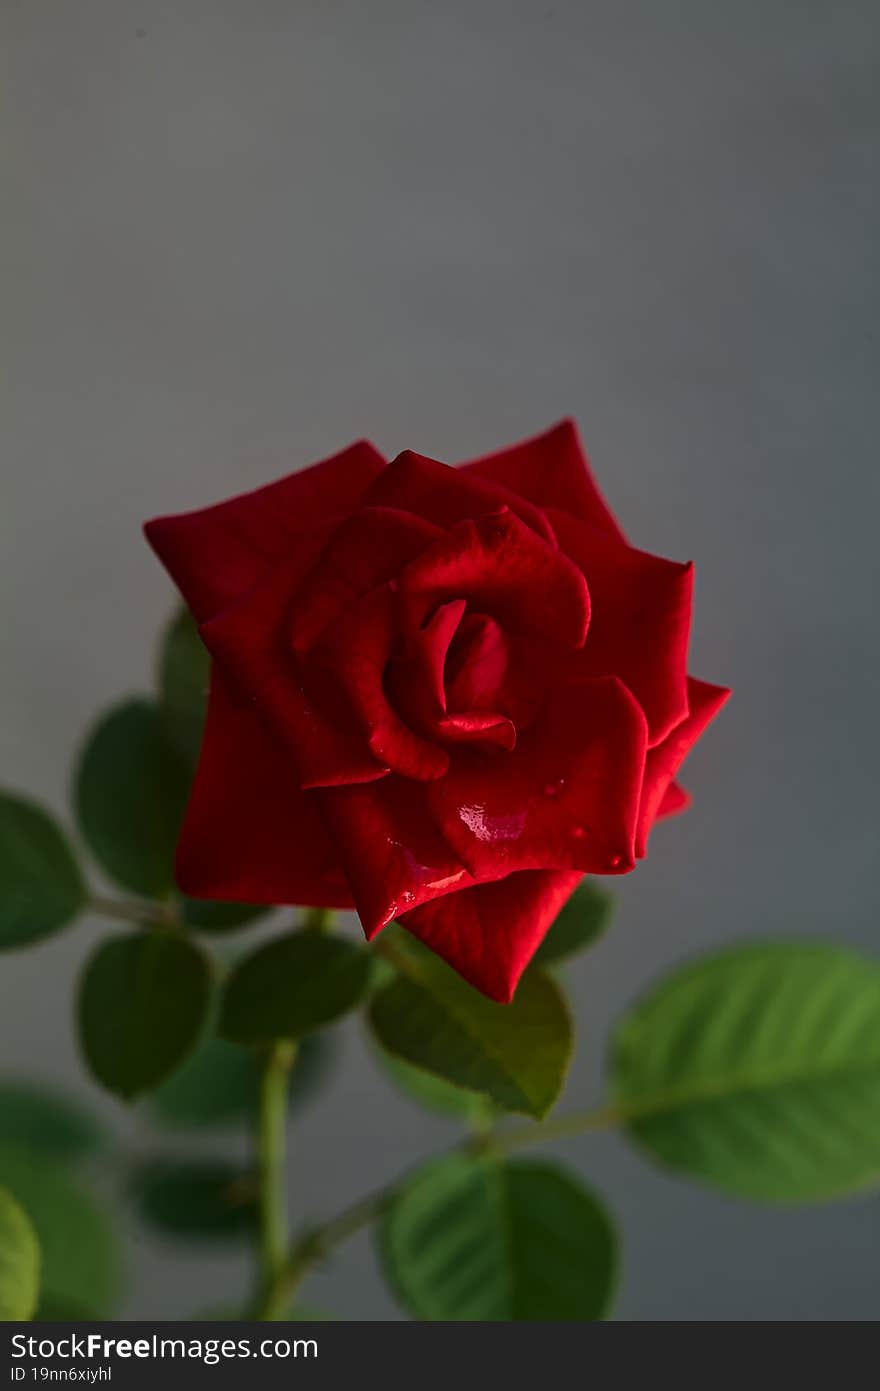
(239, 235)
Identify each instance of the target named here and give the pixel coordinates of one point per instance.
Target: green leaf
(292, 987)
(584, 919)
(35, 1117)
(52, 1310)
(515, 1054)
(474, 1240)
(130, 793)
(209, 915)
(19, 1262)
(80, 1259)
(215, 1087)
(144, 1001)
(41, 888)
(758, 1071)
(202, 1199)
(184, 674)
(218, 1086)
(429, 1090)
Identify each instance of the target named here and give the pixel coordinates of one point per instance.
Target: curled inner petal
(503, 569)
(355, 652)
(417, 681)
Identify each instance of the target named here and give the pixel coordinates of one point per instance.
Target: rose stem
(271, 1172)
(318, 1242)
(149, 913)
(318, 920)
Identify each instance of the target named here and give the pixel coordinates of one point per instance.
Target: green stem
(271, 1170)
(501, 1142)
(322, 1240)
(318, 920)
(146, 914)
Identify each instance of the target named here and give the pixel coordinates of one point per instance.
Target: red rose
(439, 694)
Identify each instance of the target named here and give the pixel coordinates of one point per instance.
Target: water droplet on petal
(553, 789)
(492, 828)
(578, 832)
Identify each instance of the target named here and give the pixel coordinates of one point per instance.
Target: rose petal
(664, 761)
(250, 640)
(217, 553)
(640, 623)
(502, 568)
(478, 727)
(415, 683)
(675, 800)
(567, 797)
(489, 933)
(392, 853)
(367, 550)
(417, 676)
(250, 835)
(445, 495)
(355, 652)
(551, 470)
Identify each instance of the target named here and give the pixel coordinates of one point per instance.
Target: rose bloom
(440, 695)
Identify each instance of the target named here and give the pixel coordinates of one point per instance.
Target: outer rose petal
(489, 933)
(250, 835)
(567, 797)
(250, 641)
(640, 623)
(551, 470)
(394, 856)
(675, 800)
(215, 554)
(444, 495)
(664, 761)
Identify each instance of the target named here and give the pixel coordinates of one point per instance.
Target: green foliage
(144, 1001)
(476, 1240)
(41, 888)
(293, 986)
(758, 1070)
(130, 792)
(584, 919)
(184, 673)
(38, 1118)
(19, 1261)
(204, 1200)
(80, 1259)
(215, 1087)
(218, 1085)
(515, 1054)
(431, 1091)
(210, 915)
(755, 1070)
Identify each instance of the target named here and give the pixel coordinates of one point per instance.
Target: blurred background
(240, 235)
